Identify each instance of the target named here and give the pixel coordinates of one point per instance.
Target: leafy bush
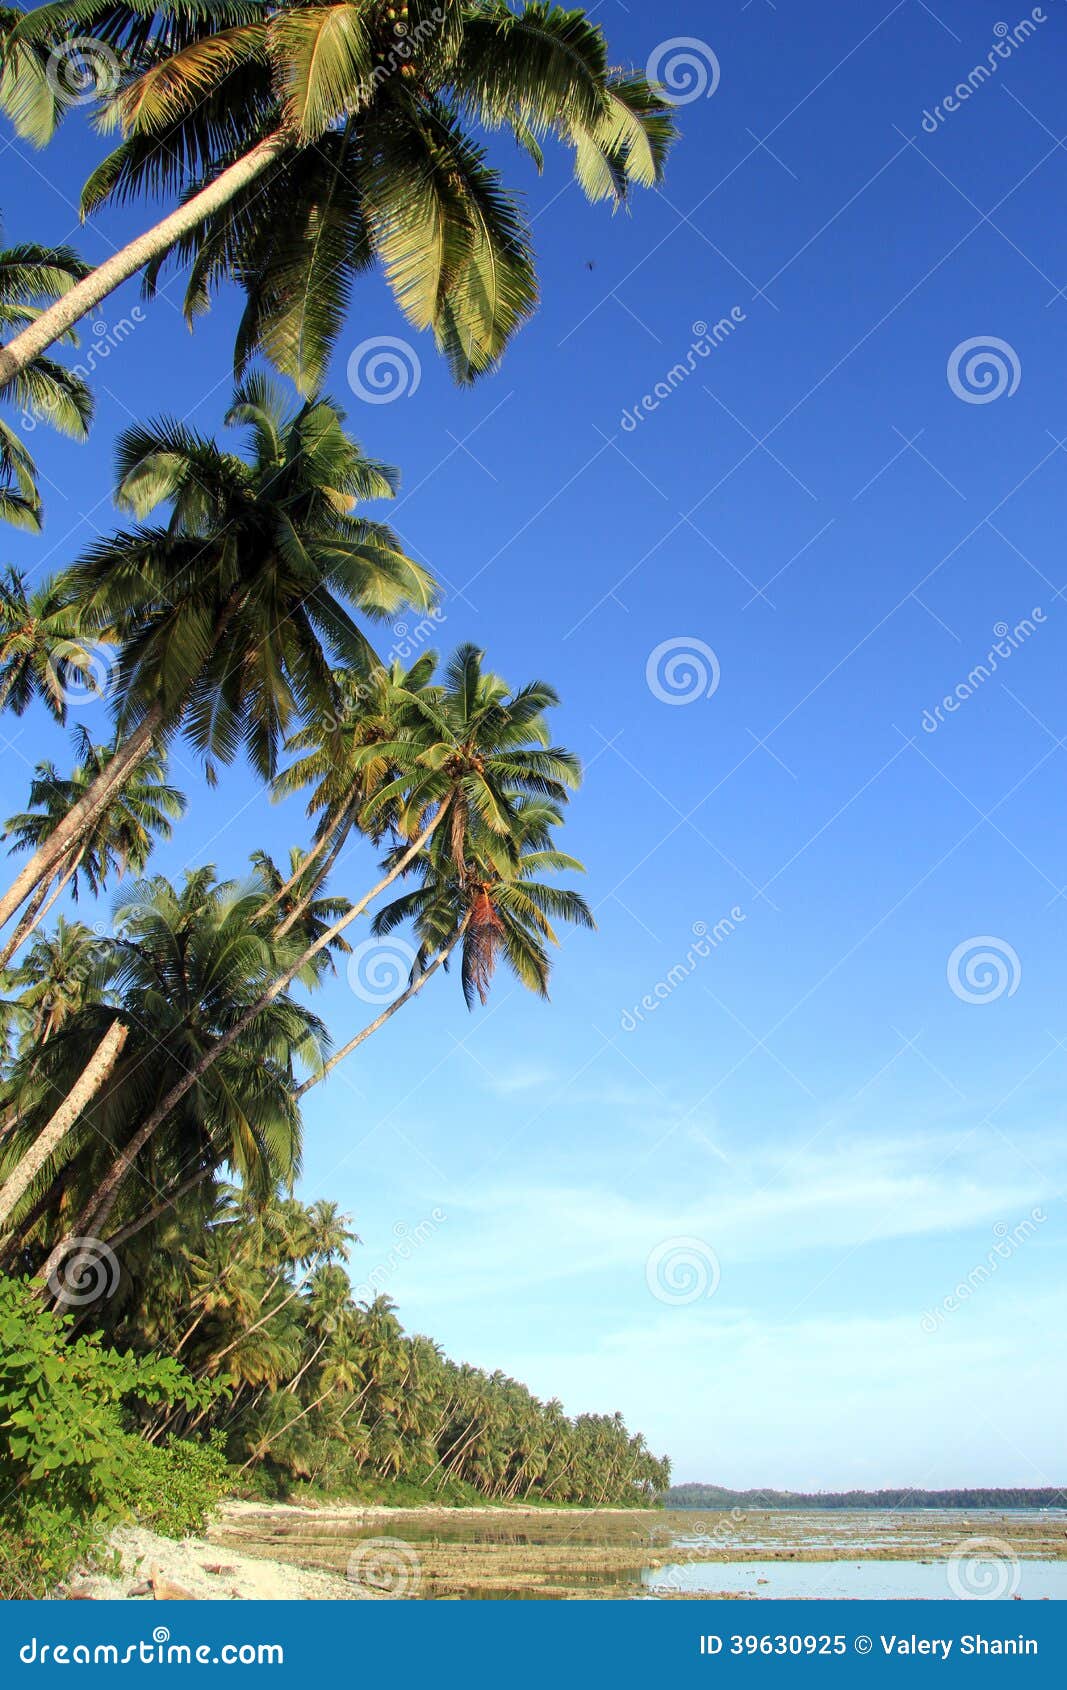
(173, 1489)
(66, 1460)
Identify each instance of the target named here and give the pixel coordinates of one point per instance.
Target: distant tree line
(974, 1496)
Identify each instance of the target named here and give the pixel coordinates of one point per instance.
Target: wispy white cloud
(511, 1082)
(763, 1205)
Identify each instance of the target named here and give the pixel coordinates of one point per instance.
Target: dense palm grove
(174, 1321)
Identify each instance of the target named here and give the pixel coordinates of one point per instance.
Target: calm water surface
(858, 1579)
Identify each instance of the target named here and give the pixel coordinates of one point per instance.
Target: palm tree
(230, 619)
(42, 388)
(497, 908)
(345, 761)
(41, 653)
(96, 1073)
(120, 837)
(63, 973)
(293, 907)
(310, 140)
(471, 750)
(188, 964)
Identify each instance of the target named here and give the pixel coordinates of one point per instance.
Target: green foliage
(64, 1452)
(172, 1489)
(970, 1496)
(31, 276)
(380, 115)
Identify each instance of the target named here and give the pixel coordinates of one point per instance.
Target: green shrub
(174, 1488)
(66, 1458)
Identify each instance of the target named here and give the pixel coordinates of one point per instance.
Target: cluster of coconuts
(397, 18)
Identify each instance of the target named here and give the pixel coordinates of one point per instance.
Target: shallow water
(764, 1555)
(877, 1580)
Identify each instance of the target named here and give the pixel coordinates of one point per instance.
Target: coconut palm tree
(345, 761)
(310, 140)
(231, 618)
(187, 965)
(293, 907)
(43, 389)
(120, 837)
(499, 907)
(471, 750)
(41, 655)
(64, 972)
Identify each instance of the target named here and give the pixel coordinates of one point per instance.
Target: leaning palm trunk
(86, 295)
(48, 858)
(153, 1214)
(247, 1331)
(95, 1215)
(281, 1433)
(40, 904)
(96, 1071)
(318, 879)
(379, 1021)
(299, 873)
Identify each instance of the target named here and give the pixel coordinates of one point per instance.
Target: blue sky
(831, 1132)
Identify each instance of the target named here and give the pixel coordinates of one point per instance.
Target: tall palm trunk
(134, 1227)
(298, 874)
(298, 909)
(379, 1021)
(96, 1071)
(86, 295)
(280, 1434)
(40, 904)
(247, 1331)
(48, 857)
(99, 1208)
